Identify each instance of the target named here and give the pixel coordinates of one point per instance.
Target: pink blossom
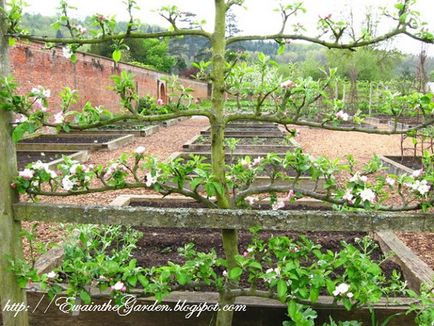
(287, 84)
(245, 253)
(342, 116)
(140, 150)
(160, 101)
(417, 173)
(390, 181)
(27, 174)
(348, 196)
(278, 205)
(59, 118)
(119, 286)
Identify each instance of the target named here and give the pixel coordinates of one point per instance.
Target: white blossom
(341, 289)
(150, 180)
(417, 173)
(67, 183)
(140, 150)
(59, 118)
(390, 181)
(51, 275)
(348, 196)
(342, 116)
(27, 174)
(367, 195)
(421, 186)
(67, 53)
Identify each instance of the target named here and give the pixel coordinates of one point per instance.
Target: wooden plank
(416, 271)
(228, 219)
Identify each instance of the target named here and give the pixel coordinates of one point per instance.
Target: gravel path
(332, 144)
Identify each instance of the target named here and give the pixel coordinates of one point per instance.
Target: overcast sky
(258, 18)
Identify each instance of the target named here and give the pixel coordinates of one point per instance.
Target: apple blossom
(67, 183)
(287, 84)
(160, 101)
(256, 161)
(421, 186)
(82, 30)
(350, 295)
(21, 119)
(390, 181)
(150, 180)
(52, 275)
(342, 116)
(367, 195)
(59, 118)
(27, 174)
(348, 196)
(140, 150)
(291, 194)
(357, 177)
(119, 286)
(341, 289)
(417, 173)
(225, 273)
(67, 53)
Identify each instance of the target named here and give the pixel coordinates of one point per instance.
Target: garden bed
(52, 158)
(124, 129)
(251, 146)
(158, 246)
(75, 141)
(402, 164)
(248, 132)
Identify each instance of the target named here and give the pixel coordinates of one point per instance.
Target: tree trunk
(10, 242)
(230, 237)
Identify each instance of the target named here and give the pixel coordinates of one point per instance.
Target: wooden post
(10, 242)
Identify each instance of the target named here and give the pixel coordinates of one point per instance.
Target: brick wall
(90, 76)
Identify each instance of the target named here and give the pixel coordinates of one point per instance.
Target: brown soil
(24, 158)
(411, 162)
(159, 246)
(78, 139)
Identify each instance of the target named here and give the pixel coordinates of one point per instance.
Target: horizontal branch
(136, 117)
(325, 198)
(315, 40)
(108, 38)
(294, 220)
(289, 121)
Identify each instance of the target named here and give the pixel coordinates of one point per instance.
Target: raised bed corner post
(10, 242)
(217, 121)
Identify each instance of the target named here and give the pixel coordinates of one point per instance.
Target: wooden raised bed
(74, 141)
(248, 145)
(402, 165)
(260, 311)
(143, 131)
(247, 132)
(172, 122)
(53, 158)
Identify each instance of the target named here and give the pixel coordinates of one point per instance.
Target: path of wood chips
(331, 144)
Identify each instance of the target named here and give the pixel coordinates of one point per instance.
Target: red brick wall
(90, 76)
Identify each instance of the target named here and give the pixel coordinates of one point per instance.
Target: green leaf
(132, 280)
(85, 297)
(282, 290)
(235, 273)
(74, 58)
(143, 280)
(281, 49)
(12, 41)
(117, 55)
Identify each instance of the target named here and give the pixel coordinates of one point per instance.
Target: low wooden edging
(415, 270)
(227, 219)
(172, 122)
(110, 145)
(395, 167)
